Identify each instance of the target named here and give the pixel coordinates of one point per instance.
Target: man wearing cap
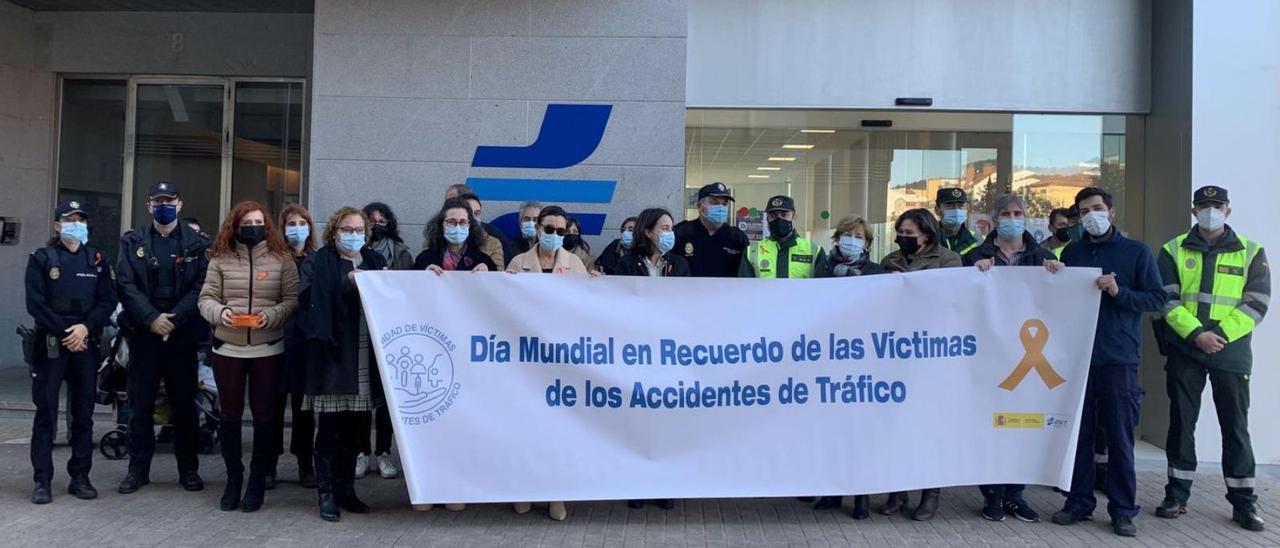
(71, 296)
(160, 271)
(951, 211)
(784, 254)
(713, 248)
(1219, 286)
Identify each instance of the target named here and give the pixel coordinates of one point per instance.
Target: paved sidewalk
(161, 514)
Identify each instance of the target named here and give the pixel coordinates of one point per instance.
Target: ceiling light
(782, 158)
(817, 131)
(757, 176)
(767, 168)
(798, 147)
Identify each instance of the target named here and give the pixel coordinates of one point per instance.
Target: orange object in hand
(244, 321)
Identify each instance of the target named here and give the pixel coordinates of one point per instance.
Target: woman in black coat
(607, 262)
(650, 253)
(451, 242)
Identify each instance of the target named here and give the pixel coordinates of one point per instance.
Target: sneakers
(362, 465)
(1070, 517)
(1022, 511)
(992, 510)
(386, 468)
(1123, 526)
(1247, 517)
(41, 493)
(1170, 509)
(81, 488)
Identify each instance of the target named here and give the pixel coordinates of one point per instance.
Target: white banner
(534, 387)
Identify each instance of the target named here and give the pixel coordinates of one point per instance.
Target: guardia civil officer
(160, 271)
(71, 297)
(712, 247)
(784, 254)
(951, 207)
(1219, 286)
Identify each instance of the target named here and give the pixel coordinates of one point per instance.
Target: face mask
(75, 231)
(456, 235)
(1011, 229)
(852, 246)
(1211, 219)
(572, 241)
(250, 235)
(952, 218)
(379, 232)
(528, 229)
(351, 243)
(718, 214)
(780, 228)
(627, 239)
(1062, 234)
(908, 244)
(1096, 223)
(297, 235)
(551, 242)
(164, 213)
(666, 241)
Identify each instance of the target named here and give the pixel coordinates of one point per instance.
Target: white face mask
(1096, 223)
(1211, 219)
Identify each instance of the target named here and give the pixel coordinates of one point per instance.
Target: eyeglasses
(553, 230)
(351, 229)
(456, 223)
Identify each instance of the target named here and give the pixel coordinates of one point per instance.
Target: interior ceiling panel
(233, 6)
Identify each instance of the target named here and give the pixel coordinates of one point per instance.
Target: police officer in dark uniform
(712, 247)
(160, 272)
(71, 297)
(951, 211)
(1219, 288)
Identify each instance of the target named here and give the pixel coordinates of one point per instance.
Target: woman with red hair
(250, 290)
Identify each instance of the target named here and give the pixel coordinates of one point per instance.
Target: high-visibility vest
(1057, 252)
(1227, 303)
(800, 257)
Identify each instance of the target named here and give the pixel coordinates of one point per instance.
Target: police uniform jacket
(136, 278)
(64, 289)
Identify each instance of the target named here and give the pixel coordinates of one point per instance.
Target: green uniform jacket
(819, 266)
(963, 242)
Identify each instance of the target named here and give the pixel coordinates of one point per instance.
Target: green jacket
(963, 242)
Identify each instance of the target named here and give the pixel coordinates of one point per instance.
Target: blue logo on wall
(568, 136)
(422, 372)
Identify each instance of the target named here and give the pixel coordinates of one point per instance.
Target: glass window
(178, 138)
(267, 149)
(91, 154)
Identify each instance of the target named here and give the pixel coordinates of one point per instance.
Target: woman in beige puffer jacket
(251, 273)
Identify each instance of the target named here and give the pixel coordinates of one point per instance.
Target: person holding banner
(342, 379)
(1009, 245)
(1113, 397)
(451, 244)
(549, 256)
(919, 248)
(496, 244)
(652, 254)
(297, 224)
(250, 291)
(607, 262)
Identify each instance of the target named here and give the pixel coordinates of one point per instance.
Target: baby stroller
(112, 380)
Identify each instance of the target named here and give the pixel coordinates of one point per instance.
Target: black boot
(306, 473)
(828, 503)
(324, 486)
(260, 465)
(928, 505)
(254, 493)
(1247, 516)
(269, 480)
(231, 494)
(229, 437)
(895, 503)
(861, 507)
(344, 485)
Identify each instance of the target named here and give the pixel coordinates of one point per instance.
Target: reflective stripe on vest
(764, 259)
(1227, 303)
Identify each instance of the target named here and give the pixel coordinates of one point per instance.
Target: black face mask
(908, 244)
(250, 235)
(1062, 235)
(572, 241)
(780, 228)
(379, 232)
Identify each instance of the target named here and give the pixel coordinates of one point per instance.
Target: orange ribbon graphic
(1034, 344)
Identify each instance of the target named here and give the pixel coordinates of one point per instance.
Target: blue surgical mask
(351, 243)
(528, 229)
(852, 246)
(627, 238)
(456, 235)
(952, 218)
(297, 235)
(76, 231)
(164, 213)
(666, 241)
(1010, 228)
(718, 214)
(551, 242)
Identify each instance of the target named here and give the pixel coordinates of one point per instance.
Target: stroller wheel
(208, 441)
(114, 445)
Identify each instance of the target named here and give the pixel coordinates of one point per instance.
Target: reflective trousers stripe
(1240, 483)
(1182, 474)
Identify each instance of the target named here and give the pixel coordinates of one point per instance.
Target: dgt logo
(568, 136)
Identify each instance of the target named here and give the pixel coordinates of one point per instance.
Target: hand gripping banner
(535, 387)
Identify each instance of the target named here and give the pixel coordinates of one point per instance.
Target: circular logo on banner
(422, 374)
